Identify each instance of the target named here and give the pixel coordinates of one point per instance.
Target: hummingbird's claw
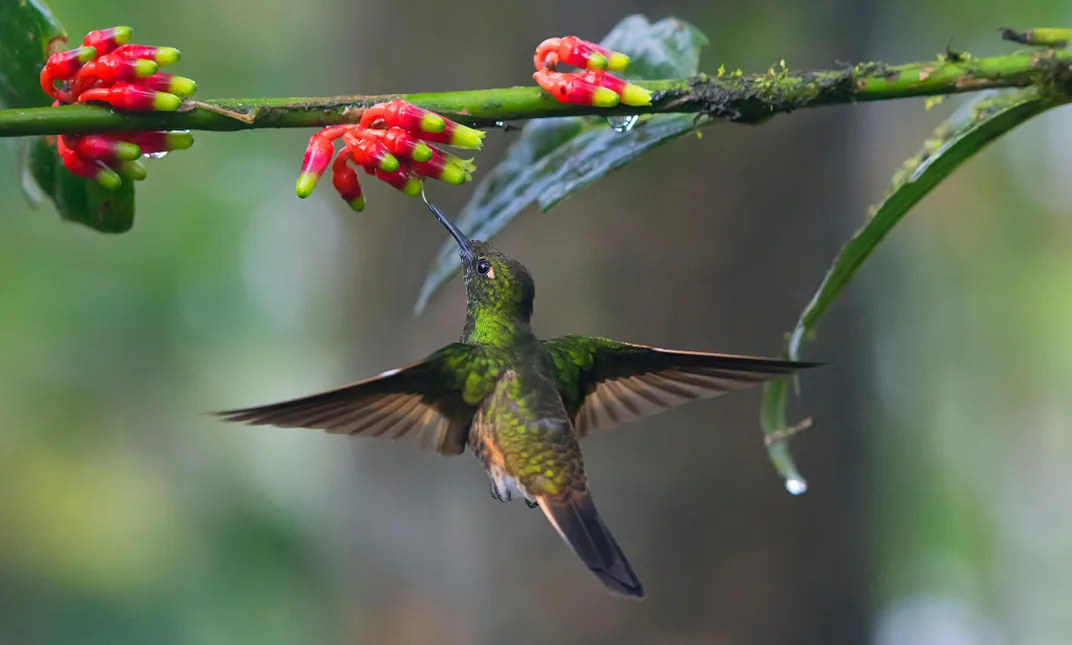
(531, 504)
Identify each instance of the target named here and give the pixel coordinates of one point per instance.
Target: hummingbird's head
(496, 285)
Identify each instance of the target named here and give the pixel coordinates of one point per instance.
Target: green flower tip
(126, 151)
(358, 204)
(179, 140)
(122, 35)
(133, 170)
(432, 123)
(108, 179)
(182, 87)
(306, 184)
(389, 163)
(421, 152)
(164, 102)
(144, 68)
(167, 55)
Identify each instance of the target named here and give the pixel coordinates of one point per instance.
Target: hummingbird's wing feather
(605, 382)
(425, 400)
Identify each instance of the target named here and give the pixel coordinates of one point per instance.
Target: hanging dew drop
(623, 124)
(796, 485)
(154, 155)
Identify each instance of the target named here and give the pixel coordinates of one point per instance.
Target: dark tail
(576, 520)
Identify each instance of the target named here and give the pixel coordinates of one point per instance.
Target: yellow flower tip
(604, 98)
(306, 184)
(596, 61)
(466, 137)
(182, 87)
(164, 102)
(617, 62)
(635, 95)
(358, 204)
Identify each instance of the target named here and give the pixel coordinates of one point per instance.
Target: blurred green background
(938, 506)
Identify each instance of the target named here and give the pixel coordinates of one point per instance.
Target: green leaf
(970, 129)
(554, 158)
(29, 33)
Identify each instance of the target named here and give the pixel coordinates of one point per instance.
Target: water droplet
(796, 485)
(500, 124)
(623, 124)
(155, 155)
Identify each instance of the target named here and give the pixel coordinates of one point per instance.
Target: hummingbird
(522, 404)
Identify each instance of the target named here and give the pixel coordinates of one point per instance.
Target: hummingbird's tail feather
(576, 520)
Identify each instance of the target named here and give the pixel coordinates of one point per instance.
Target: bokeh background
(938, 508)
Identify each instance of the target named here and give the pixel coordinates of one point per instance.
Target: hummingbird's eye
(483, 267)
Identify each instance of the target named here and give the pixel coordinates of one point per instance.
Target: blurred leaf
(29, 33)
(970, 129)
(554, 158)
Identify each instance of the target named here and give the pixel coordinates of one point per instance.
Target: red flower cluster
(390, 143)
(590, 86)
(126, 77)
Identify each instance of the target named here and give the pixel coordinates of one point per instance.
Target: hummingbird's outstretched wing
(428, 400)
(605, 382)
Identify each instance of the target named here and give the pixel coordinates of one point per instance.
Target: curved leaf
(970, 129)
(554, 158)
(29, 33)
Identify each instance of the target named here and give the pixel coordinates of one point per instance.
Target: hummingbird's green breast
(524, 438)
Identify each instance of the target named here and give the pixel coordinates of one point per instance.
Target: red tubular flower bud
(106, 40)
(159, 55)
(400, 114)
(402, 179)
(344, 178)
(180, 86)
(399, 143)
(112, 68)
(370, 153)
(575, 90)
(445, 167)
(571, 50)
(317, 157)
(106, 148)
(125, 96)
(63, 66)
(628, 93)
(151, 143)
(89, 168)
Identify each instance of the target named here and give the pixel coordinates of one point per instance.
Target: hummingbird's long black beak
(459, 237)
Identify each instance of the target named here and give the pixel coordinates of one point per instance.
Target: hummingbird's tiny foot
(531, 504)
(495, 493)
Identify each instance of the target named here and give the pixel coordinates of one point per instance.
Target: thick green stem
(744, 99)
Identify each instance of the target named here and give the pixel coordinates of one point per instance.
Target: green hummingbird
(523, 404)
